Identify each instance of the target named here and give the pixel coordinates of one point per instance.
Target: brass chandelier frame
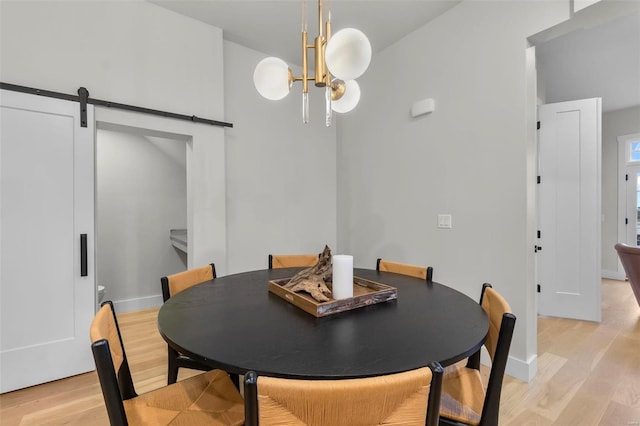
(322, 75)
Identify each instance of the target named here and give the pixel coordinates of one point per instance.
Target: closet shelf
(178, 238)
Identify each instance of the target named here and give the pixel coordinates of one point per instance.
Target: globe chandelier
(338, 61)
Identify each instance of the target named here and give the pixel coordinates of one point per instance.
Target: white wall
(394, 174)
(281, 173)
(137, 53)
(614, 124)
(141, 194)
(468, 158)
(127, 51)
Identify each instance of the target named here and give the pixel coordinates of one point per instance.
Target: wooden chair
(630, 259)
(405, 269)
(209, 398)
(292, 260)
(408, 398)
(464, 400)
(172, 285)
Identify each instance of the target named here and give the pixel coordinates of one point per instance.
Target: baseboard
(517, 368)
(613, 275)
(137, 303)
(522, 370)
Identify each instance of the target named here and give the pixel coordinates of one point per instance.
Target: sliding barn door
(47, 289)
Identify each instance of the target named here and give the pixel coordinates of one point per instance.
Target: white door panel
(569, 209)
(46, 202)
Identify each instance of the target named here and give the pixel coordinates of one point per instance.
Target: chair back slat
(104, 327)
(111, 363)
(502, 324)
(292, 260)
(401, 398)
(416, 271)
(183, 280)
(495, 306)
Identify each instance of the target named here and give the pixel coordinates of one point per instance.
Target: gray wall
(470, 158)
(141, 193)
(281, 173)
(614, 124)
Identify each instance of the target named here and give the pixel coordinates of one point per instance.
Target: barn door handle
(83, 255)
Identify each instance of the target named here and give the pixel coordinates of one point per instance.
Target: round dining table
(234, 323)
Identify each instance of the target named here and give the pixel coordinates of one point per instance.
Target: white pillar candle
(342, 276)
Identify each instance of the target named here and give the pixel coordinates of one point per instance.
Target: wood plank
(620, 414)
(527, 418)
(582, 364)
(519, 397)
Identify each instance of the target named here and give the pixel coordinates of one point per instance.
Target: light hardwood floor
(588, 374)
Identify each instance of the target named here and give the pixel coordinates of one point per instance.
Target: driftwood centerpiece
(365, 293)
(315, 280)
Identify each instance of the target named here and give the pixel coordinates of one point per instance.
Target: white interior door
(569, 261)
(46, 203)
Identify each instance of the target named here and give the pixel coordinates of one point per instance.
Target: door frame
(624, 165)
(144, 301)
(206, 187)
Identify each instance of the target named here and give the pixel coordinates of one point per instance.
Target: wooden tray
(365, 293)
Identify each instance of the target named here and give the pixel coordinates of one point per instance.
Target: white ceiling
(274, 27)
(594, 62)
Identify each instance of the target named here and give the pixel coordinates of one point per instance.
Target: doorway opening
(141, 196)
(629, 190)
(592, 40)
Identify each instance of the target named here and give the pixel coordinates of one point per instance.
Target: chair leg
(172, 362)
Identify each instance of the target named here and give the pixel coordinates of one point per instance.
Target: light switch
(444, 221)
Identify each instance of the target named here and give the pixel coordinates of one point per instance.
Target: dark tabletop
(236, 324)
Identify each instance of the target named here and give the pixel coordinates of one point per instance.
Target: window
(634, 155)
